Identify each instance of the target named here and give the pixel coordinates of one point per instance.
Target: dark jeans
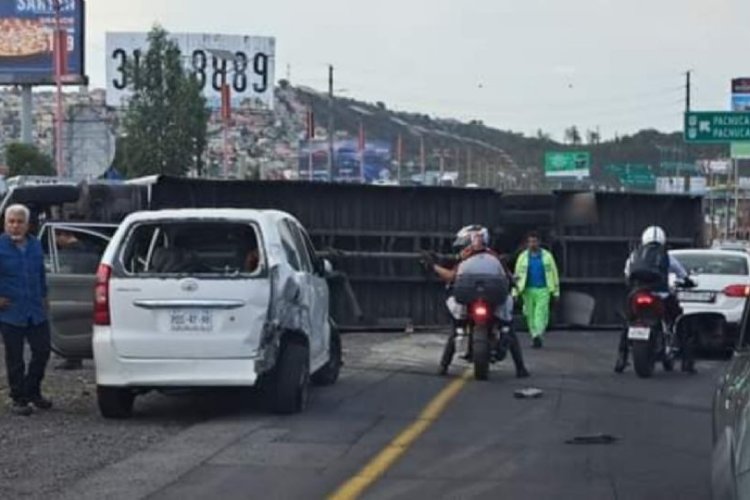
(25, 385)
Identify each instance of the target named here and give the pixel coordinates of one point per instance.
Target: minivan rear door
(181, 289)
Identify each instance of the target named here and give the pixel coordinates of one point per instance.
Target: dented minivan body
(207, 297)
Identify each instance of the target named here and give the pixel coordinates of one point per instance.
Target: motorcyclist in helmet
(650, 266)
(473, 242)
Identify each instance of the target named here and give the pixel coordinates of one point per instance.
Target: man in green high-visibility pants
(538, 282)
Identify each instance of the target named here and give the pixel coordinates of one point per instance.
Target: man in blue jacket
(23, 311)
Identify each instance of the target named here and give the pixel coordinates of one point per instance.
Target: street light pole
(58, 55)
(226, 102)
(422, 160)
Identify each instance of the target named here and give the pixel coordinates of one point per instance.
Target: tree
(543, 136)
(593, 137)
(24, 159)
(166, 122)
(572, 136)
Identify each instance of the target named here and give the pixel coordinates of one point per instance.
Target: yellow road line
(357, 484)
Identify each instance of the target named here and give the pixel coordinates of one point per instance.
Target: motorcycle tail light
(480, 311)
(644, 300)
(646, 306)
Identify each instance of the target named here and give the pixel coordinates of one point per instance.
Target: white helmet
(654, 234)
(464, 236)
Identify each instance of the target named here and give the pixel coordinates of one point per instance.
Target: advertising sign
(741, 102)
(670, 185)
(27, 36)
(698, 185)
(741, 86)
(741, 94)
(347, 161)
(567, 164)
(717, 167)
(245, 63)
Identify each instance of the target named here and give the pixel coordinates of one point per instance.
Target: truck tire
(328, 374)
(290, 382)
(115, 402)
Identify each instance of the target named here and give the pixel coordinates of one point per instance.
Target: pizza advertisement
(27, 30)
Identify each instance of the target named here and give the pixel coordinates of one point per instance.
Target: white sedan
(723, 283)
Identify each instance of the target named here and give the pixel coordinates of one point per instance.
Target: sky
(523, 65)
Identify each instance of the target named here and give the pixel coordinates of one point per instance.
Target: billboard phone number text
(241, 73)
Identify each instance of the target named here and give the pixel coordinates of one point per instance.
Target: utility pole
(736, 197)
(310, 136)
(687, 90)
(330, 123)
(422, 160)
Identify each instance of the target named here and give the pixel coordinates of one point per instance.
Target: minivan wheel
(329, 373)
(115, 402)
(289, 388)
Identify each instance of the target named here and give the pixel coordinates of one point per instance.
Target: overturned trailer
(374, 235)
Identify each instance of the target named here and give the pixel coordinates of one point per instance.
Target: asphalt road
(485, 444)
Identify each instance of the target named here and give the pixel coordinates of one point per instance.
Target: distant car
(714, 308)
(734, 245)
(212, 297)
(385, 182)
(730, 461)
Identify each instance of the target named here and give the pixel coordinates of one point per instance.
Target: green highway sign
(567, 164)
(709, 126)
(633, 175)
(741, 150)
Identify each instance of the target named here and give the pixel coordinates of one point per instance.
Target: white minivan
(212, 297)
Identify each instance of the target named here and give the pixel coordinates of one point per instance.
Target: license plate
(639, 332)
(696, 296)
(191, 320)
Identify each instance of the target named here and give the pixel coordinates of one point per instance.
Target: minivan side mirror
(327, 267)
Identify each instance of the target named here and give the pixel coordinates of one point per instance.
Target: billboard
(26, 41)
(670, 185)
(245, 63)
(741, 94)
(378, 164)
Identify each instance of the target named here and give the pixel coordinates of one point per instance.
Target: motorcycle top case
(491, 288)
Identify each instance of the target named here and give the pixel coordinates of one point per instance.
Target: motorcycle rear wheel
(643, 358)
(481, 351)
